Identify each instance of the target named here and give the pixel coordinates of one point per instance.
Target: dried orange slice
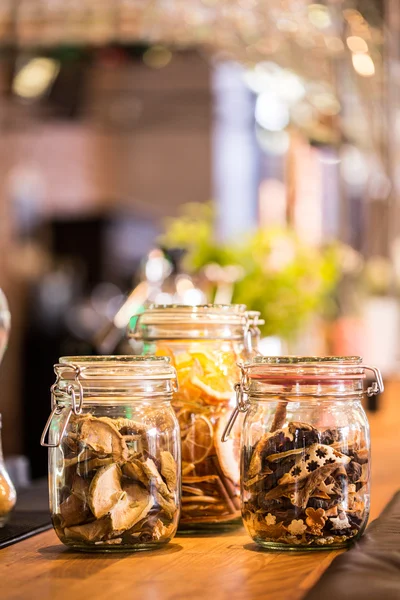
(214, 387)
(199, 439)
(206, 360)
(183, 360)
(228, 452)
(165, 351)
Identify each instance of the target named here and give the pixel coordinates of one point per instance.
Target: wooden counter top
(193, 568)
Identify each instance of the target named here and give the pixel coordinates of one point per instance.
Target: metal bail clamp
(58, 407)
(242, 403)
(377, 386)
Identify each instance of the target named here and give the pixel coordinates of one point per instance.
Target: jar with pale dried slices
(204, 343)
(305, 454)
(114, 453)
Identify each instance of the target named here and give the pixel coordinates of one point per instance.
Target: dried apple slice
(105, 490)
(90, 532)
(150, 469)
(134, 470)
(130, 509)
(73, 511)
(168, 470)
(103, 437)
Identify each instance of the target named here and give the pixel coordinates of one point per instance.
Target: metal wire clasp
(242, 402)
(377, 386)
(57, 405)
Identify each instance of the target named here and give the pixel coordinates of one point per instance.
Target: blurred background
(192, 151)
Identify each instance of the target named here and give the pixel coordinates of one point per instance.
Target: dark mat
(371, 569)
(22, 525)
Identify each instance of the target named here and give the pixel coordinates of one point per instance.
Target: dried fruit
(198, 441)
(117, 493)
(168, 470)
(104, 438)
(309, 490)
(317, 455)
(129, 510)
(315, 519)
(155, 478)
(297, 527)
(90, 532)
(105, 490)
(73, 511)
(214, 391)
(206, 381)
(134, 470)
(270, 519)
(340, 522)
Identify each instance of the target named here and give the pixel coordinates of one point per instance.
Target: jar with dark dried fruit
(114, 453)
(305, 451)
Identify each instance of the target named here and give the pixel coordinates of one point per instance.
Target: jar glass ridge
(114, 460)
(305, 454)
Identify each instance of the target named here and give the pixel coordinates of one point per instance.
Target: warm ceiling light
(35, 78)
(319, 16)
(157, 57)
(334, 44)
(357, 44)
(363, 65)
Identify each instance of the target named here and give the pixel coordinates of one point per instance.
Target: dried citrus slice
(183, 360)
(198, 441)
(228, 452)
(214, 387)
(206, 360)
(165, 351)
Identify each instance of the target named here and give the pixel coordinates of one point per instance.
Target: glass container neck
(210, 322)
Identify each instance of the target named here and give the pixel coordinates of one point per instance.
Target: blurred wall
(141, 141)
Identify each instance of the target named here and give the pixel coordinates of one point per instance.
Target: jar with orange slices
(204, 344)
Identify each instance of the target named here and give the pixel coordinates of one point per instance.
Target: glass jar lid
(309, 376)
(109, 380)
(174, 321)
(115, 368)
(292, 370)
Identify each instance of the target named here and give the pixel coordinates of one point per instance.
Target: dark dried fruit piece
(354, 471)
(312, 496)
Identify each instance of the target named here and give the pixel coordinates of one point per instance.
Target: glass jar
(305, 457)
(8, 495)
(204, 344)
(114, 453)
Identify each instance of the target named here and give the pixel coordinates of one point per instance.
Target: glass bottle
(305, 454)
(114, 453)
(5, 323)
(8, 496)
(204, 344)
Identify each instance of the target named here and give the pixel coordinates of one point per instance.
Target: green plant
(285, 279)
